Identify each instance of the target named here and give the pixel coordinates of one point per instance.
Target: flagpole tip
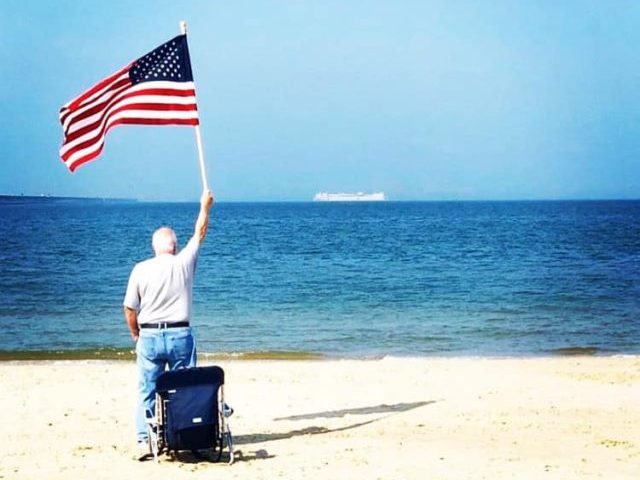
(183, 27)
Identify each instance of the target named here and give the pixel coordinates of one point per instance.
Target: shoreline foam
(128, 354)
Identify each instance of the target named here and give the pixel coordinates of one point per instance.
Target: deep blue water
(355, 279)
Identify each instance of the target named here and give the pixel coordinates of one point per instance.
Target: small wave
(68, 354)
(263, 355)
(570, 351)
(129, 354)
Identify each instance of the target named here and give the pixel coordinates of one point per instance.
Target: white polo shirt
(160, 288)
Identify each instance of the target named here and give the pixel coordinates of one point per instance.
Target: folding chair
(191, 413)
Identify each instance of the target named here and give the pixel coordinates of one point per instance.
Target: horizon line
(406, 200)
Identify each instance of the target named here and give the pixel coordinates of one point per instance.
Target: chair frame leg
(225, 432)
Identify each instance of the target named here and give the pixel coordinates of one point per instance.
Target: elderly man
(157, 308)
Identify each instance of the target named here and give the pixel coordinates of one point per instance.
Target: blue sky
(425, 100)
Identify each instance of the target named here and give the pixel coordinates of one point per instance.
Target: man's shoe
(143, 452)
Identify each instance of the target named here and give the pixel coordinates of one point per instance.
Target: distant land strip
(4, 198)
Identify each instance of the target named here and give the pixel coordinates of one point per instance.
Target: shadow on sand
(397, 408)
(316, 430)
(259, 438)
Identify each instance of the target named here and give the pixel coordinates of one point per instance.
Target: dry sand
(428, 418)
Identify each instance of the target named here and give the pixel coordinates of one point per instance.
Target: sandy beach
(426, 418)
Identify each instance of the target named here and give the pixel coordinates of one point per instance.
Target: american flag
(156, 89)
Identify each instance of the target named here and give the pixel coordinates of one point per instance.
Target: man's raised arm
(206, 200)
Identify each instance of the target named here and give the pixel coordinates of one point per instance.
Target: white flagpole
(203, 172)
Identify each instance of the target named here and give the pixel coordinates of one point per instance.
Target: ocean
(361, 280)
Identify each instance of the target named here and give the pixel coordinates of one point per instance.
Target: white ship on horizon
(349, 197)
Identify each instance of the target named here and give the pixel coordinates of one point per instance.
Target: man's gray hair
(164, 240)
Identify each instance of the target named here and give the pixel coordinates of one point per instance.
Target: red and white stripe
(116, 101)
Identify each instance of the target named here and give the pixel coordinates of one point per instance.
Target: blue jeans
(155, 350)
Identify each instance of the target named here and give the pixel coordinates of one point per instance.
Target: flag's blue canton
(169, 62)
